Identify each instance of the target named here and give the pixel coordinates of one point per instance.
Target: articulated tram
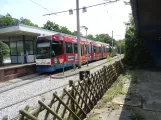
(60, 50)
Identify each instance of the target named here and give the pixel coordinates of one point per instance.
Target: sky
(100, 19)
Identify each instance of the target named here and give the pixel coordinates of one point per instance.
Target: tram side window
(89, 48)
(86, 48)
(94, 48)
(57, 48)
(75, 48)
(107, 50)
(68, 47)
(100, 49)
(82, 48)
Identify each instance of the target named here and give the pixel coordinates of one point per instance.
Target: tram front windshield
(43, 49)
(48, 49)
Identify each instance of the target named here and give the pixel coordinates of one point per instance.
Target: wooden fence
(78, 99)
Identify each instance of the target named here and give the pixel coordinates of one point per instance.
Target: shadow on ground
(143, 98)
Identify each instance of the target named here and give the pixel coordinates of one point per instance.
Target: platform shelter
(21, 40)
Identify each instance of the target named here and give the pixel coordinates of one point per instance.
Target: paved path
(29, 91)
(139, 98)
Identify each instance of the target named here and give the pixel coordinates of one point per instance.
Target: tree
(65, 30)
(127, 2)
(4, 51)
(75, 33)
(51, 26)
(27, 22)
(104, 38)
(136, 53)
(8, 20)
(120, 44)
(91, 37)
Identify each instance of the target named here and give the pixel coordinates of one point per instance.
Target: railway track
(13, 85)
(34, 96)
(11, 82)
(21, 83)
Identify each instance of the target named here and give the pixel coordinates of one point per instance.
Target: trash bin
(83, 74)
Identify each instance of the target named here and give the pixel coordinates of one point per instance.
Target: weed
(122, 92)
(136, 116)
(109, 57)
(135, 78)
(68, 119)
(111, 93)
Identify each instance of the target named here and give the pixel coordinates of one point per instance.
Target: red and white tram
(60, 50)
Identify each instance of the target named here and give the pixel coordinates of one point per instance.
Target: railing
(78, 99)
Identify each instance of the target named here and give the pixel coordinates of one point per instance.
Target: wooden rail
(78, 99)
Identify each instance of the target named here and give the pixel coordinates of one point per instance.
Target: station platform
(12, 71)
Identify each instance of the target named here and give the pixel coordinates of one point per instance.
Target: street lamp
(86, 42)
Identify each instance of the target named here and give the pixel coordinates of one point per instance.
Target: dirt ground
(134, 96)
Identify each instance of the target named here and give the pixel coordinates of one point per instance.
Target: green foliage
(27, 22)
(137, 116)
(8, 20)
(122, 47)
(110, 49)
(136, 53)
(55, 27)
(51, 26)
(90, 36)
(104, 38)
(135, 78)
(75, 33)
(4, 51)
(113, 91)
(65, 30)
(109, 57)
(120, 44)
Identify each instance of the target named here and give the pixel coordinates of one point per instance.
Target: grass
(137, 116)
(116, 89)
(109, 57)
(112, 92)
(135, 78)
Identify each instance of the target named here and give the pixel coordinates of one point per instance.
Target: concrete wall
(147, 15)
(12, 72)
(154, 48)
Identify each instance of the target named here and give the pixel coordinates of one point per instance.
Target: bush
(4, 51)
(136, 53)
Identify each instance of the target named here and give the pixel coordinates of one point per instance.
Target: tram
(60, 50)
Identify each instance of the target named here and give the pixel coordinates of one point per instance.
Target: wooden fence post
(72, 94)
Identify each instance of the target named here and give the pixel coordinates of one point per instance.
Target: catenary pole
(78, 35)
(87, 45)
(112, 42)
